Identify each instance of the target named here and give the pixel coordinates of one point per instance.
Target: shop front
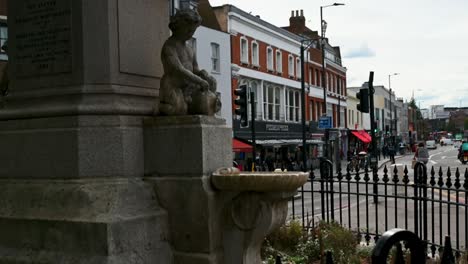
(278, 145)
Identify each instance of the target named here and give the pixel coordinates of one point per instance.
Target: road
(359, 212)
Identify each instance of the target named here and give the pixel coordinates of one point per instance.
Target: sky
(424, 41)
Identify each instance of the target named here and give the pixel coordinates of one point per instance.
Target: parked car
(431, 144)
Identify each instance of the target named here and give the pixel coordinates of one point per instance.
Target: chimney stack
(297, 22)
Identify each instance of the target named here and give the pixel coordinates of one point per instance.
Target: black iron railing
(429, 202)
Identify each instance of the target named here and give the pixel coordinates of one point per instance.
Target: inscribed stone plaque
(43, 37)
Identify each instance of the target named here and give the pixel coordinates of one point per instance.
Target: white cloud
(361, 52)
(423, 40)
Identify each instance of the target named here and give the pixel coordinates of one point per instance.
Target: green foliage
(297, 246)
(287, 238)
(340, 241)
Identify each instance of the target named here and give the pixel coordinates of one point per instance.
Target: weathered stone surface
(108, 70)
(195, 213)
(81, 221)
(185, 89)
(186, 146)
(259, 181)
(72, 147)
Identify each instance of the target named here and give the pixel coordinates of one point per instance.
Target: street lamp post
(390, 99)
(303, 112)
(323, 27)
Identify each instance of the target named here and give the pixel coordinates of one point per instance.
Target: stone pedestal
(180, 155)
(83, 75)
(213, 218)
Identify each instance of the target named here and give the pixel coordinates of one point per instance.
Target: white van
(431, 144)
(446, 141)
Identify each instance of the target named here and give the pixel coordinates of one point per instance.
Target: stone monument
(83, 75)
(89, 175)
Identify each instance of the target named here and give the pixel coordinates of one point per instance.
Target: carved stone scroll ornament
(185, 89)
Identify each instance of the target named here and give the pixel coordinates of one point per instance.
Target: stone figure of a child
(185, 89)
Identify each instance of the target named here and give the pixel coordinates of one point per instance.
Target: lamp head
(338, 4)
(324, 26)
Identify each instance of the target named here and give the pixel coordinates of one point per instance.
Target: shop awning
(284, 142)
(239, 146)
(362, 135)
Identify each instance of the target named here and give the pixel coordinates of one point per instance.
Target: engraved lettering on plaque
(43, 37)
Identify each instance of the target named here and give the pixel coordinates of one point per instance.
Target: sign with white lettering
(325, 122)
(279, 128)
(43, 37)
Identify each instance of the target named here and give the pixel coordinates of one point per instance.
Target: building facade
(267, 59)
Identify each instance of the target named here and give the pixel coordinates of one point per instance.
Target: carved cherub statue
(185, 89)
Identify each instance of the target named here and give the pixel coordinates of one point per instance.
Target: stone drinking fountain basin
(256, 203)
(231, 179)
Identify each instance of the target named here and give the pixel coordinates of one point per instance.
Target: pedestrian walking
(391, 153)
(385, 151)
(422, 154)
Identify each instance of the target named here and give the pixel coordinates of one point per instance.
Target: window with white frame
(330, 110)
(349, 117)
(317, 78)
(270, 59)
(310, 76)
(271, 102)
(279, 61)
(277, 103)
(327, 83)
(253, 88)
(342, 116)
(244, 50)
(334, 84)
(339, 87)
(311, 111)
(291, 66)
(318, 111)
(298, 68)
(3, 39)
(292, 106)
(215, 66)
(255, 53)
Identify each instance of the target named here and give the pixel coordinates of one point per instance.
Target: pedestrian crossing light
(241, 104)
(363, 96)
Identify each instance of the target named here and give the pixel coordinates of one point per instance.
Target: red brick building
(267, 59)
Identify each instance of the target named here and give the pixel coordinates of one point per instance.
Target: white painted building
(212, 49)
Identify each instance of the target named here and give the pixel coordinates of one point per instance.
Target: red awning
(362, 135)
(239, 146)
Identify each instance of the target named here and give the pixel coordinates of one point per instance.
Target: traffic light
(241, 104)
(387, 129)
(363, 96)
(376, 128)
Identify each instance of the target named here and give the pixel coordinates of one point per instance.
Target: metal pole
(373, 127)
(304, 159)
(252, 107)
(390, 99)
(324, 83)
(338, 163)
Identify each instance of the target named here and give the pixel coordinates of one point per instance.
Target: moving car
(446, 141)
(431, 144)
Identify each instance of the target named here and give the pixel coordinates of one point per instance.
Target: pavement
(381, 163)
